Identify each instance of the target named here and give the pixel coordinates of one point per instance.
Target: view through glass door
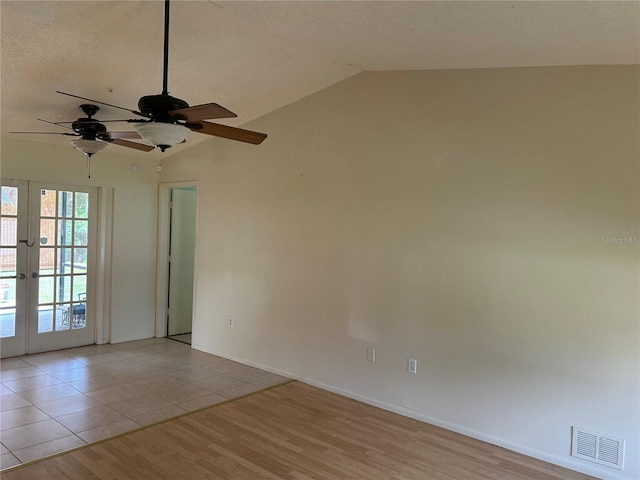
(47, 267)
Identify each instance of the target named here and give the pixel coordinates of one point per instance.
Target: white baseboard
(132, 339)
(407, 412)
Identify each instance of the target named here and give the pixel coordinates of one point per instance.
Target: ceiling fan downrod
(165, 67)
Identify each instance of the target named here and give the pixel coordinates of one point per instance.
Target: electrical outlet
(230, 322)
(412, 366)
(371, 354)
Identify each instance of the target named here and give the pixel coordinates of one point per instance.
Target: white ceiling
(254, 57)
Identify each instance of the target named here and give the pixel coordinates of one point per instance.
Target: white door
(49, 304)
(182, 239)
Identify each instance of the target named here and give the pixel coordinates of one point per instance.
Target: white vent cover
(598, 448)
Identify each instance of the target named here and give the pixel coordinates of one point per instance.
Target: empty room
(320, 240)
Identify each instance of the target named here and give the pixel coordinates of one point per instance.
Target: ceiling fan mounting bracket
(89, 109)
(159, 106)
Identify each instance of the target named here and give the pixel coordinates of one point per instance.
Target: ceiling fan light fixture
(162, 135)
(89, 147)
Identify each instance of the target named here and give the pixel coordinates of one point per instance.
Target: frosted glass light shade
(89, 147)
(161, 134)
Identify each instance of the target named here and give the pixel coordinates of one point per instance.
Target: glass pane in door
(9, 200)
(7, 308)
(7, 263)
(9, 227)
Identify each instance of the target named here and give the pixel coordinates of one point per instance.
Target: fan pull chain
(88, 166)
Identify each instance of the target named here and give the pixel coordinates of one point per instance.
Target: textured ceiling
(254, 57)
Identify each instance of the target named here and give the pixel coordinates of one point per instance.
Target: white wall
(134, 214)
(461, 218)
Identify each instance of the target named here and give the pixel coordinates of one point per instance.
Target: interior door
(182, 255)
(53, 298)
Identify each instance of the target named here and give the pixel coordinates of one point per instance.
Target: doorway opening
(176, 268)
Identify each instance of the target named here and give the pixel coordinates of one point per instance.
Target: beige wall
(133, 206)
(462, 218)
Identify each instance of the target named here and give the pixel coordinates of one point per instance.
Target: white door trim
(103, 266)
(162, 278)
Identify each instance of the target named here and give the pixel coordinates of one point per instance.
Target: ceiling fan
(167, 120)
(94, 135)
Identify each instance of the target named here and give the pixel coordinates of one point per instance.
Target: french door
(47, 267)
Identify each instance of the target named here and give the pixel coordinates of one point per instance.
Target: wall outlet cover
(412, 365)
(371, 354)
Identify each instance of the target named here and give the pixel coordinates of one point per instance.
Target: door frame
(162, 273)
(103, 265)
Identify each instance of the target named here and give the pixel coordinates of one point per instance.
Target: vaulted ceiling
(254, 57)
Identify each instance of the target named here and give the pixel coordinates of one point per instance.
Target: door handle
(21, 276)
(34, 275)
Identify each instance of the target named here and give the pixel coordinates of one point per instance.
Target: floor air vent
(598, 448)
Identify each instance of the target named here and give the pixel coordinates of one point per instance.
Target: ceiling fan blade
(102, 103)
(202, 112)
(51, 133)
(126, 143)
(54, 123)
(93, 120)
(225, 131)
(114, 135)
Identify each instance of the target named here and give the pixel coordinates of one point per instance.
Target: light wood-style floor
(293, 431)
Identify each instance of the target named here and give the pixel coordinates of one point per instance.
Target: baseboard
(407, 412)
(132, 339)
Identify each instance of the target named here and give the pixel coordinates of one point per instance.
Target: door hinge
(169, 258)
(168, 312)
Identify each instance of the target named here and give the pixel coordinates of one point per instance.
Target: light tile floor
(56, 401)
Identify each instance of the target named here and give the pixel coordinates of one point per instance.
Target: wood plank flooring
(293, 431)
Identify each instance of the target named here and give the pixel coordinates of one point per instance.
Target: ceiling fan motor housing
(159, 106)
(88, 128)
